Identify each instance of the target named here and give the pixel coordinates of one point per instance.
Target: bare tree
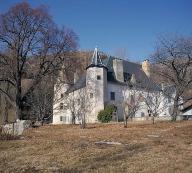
(41, 100)
(74, 105)
(4, 104)
(80, 106)
(156, 103)
(173, 58)
(131, 104)
(30, 45)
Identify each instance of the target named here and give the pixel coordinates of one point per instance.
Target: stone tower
(96, 85)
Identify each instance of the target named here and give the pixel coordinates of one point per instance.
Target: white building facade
(114, 81)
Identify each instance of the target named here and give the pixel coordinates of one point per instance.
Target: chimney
(118, 69)
(133, 79)
(146, 67)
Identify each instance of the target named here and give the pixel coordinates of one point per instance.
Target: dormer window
(98, 77)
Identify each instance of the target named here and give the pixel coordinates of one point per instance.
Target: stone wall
(17, 127)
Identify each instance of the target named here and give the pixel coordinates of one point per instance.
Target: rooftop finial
(96, 55)
(96, 60)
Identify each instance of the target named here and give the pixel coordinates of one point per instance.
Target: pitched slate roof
(129, 68)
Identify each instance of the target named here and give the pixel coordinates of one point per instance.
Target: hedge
(105, 115)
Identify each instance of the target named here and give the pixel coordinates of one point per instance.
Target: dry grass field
(164, 148)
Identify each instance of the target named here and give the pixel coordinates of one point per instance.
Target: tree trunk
(153, 118)
(125, 122)
(4, 110)
(174, 114)
(73, 118)
(18, 98)
(83, 122)
(175, 108)
(42, 122)
(18, 107)
(4, 105)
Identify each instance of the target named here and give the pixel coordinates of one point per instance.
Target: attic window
(98, 77)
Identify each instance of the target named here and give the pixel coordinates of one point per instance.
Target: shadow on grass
(117, 155)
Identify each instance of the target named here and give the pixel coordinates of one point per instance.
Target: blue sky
(112, 25)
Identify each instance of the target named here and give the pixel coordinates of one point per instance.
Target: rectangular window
(63, 118)
(62, 95)
(142, 114)
(91, 95)
(112, 95)
(61, 106)
(98, 77)
(149, 113)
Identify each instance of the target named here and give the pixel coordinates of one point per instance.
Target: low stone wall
(17, 127)
(161, 118)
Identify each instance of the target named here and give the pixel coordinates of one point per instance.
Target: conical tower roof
(96, 60)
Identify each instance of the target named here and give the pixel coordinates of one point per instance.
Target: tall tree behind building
(29, 34)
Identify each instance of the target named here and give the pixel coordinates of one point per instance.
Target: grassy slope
(70, 149)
